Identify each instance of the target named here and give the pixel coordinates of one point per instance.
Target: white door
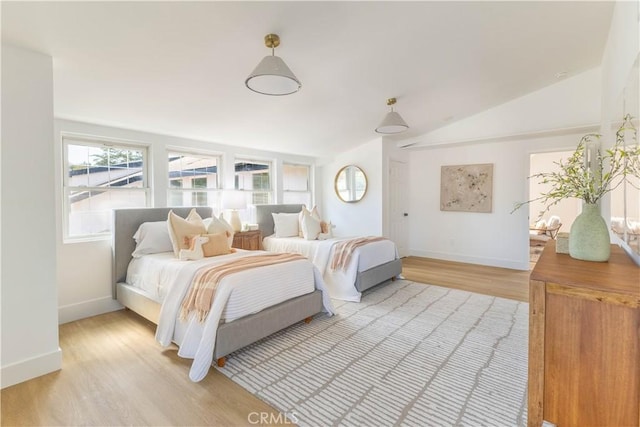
(399, 205)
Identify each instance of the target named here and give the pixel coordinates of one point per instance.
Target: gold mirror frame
(350, 184)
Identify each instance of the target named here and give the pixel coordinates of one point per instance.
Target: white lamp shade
(392, 123)
(273, 77)
(234, 200)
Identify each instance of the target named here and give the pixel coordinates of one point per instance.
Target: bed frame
(231, 336)
(364, 280)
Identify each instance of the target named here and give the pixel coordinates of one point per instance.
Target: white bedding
(155, 273)
(168, 279)
(340, 283)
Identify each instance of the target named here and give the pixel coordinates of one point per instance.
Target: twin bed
(249, 305)
(370, 264)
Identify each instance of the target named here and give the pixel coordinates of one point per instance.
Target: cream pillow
(310, 227)
(541, 226)
(313, 212)
(553, 222)
(220, 225)
(218, 244)
(286, 224)
(181, 229)
(300, 216)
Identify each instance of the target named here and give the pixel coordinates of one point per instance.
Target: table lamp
(234, 200)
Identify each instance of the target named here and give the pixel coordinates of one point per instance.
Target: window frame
(100, 142)
(308, 191)
(195, 153)
(250, 193)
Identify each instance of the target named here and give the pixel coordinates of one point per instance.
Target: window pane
(295, 177)
(252, 175)
(112, 177)
(260, 198)
(90, 211)
(193, 198)
(193, 171)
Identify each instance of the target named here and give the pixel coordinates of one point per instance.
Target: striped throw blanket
(343, 250)
(206, 281)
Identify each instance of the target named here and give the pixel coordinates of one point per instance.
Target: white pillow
(310, 227)
(219, 225)
(152, 238)
(553, 222)
(285, 224)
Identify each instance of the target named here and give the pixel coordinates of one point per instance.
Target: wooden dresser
(250, 240)
(584, 341)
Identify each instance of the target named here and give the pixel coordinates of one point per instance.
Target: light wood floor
(501, 282)
(114, 372)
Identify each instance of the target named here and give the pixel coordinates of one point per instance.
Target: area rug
(407, 354)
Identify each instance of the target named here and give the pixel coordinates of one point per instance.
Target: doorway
(542, 222)
(399, 205)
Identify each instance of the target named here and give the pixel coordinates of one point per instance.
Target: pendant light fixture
(272, 76)
(392, 122)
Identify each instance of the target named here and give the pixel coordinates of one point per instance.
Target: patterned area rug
(407, 354)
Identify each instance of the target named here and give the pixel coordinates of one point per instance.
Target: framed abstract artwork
(466, 188)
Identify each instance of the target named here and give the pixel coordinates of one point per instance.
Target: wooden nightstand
(250, 240)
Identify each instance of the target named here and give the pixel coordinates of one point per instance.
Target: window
(100, 176)
(296, 184)
(254, 177)
(193, 179)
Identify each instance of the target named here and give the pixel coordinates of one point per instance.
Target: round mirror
(351, 184)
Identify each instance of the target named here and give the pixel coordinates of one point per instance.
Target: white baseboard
(492, 262)
(30, 368)
(81, 310)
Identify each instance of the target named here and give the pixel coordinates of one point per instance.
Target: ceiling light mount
(392, 122)
(272, 76)
(272, 41)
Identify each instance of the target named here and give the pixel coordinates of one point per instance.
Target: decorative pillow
(218, 244)
(286, 224)
(195, 251)
(553, 222)
(179, 228)
(300, 216)
(310, 227)
(220, 225)
(152, 238)
(313, 212)
(326, 230)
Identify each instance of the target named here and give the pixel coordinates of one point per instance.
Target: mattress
(155, 274)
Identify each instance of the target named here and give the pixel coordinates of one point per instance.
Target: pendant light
(392, 122)
(272, 76)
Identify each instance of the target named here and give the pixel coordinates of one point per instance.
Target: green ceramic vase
(589, 236)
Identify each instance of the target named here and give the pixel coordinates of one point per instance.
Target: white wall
(29, 309)
(365, 216)
(84, 268)
(498, 238)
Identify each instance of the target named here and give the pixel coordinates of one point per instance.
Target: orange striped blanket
(206, 281)
(343, 250)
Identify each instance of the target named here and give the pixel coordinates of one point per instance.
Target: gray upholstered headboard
(125, 225)
(265, 220)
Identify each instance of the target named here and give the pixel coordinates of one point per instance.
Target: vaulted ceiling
(179, 68)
